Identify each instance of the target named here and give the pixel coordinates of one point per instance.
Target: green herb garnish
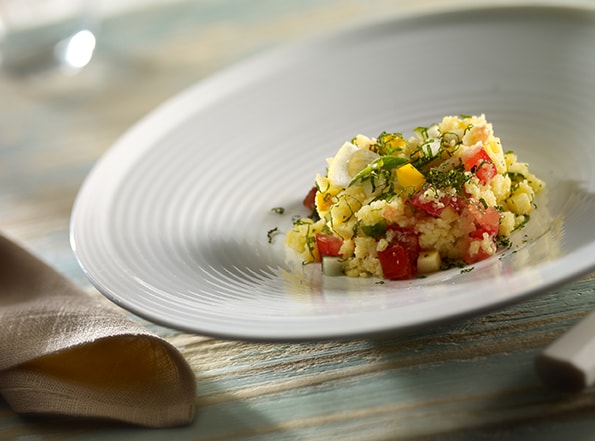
(384, 163)
(526, 219)
(376, 231)
(389, 143)
(272, 233)
(449, 140)
(452, 178)
(422, 132)
(504, 242)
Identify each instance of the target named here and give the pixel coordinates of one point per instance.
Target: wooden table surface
(469, 380)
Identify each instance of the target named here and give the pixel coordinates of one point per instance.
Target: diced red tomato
(486, 220)
(407, 238)
(436, 207)
(432, 207)
(481, 165)
(396, 263)
(477, 256)
(328, 245)
(399, 259)
(310, 199)
(459, 203)
(482, 220)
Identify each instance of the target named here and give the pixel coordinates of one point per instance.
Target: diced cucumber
(332, 266)
(429, 262)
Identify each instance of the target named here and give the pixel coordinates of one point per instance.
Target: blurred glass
(44, 36)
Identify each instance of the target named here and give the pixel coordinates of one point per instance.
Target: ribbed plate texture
(172, 222)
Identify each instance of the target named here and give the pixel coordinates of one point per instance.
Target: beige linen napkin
(63, 352)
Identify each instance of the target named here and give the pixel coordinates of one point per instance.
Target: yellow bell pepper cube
(410, 177)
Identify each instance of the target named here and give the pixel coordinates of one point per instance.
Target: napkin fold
(63, 352)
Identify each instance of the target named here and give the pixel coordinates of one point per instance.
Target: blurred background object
(41, 37)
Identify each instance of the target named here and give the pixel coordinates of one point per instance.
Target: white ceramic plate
(172, 223)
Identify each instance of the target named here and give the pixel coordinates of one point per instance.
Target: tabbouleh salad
(395, 208)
